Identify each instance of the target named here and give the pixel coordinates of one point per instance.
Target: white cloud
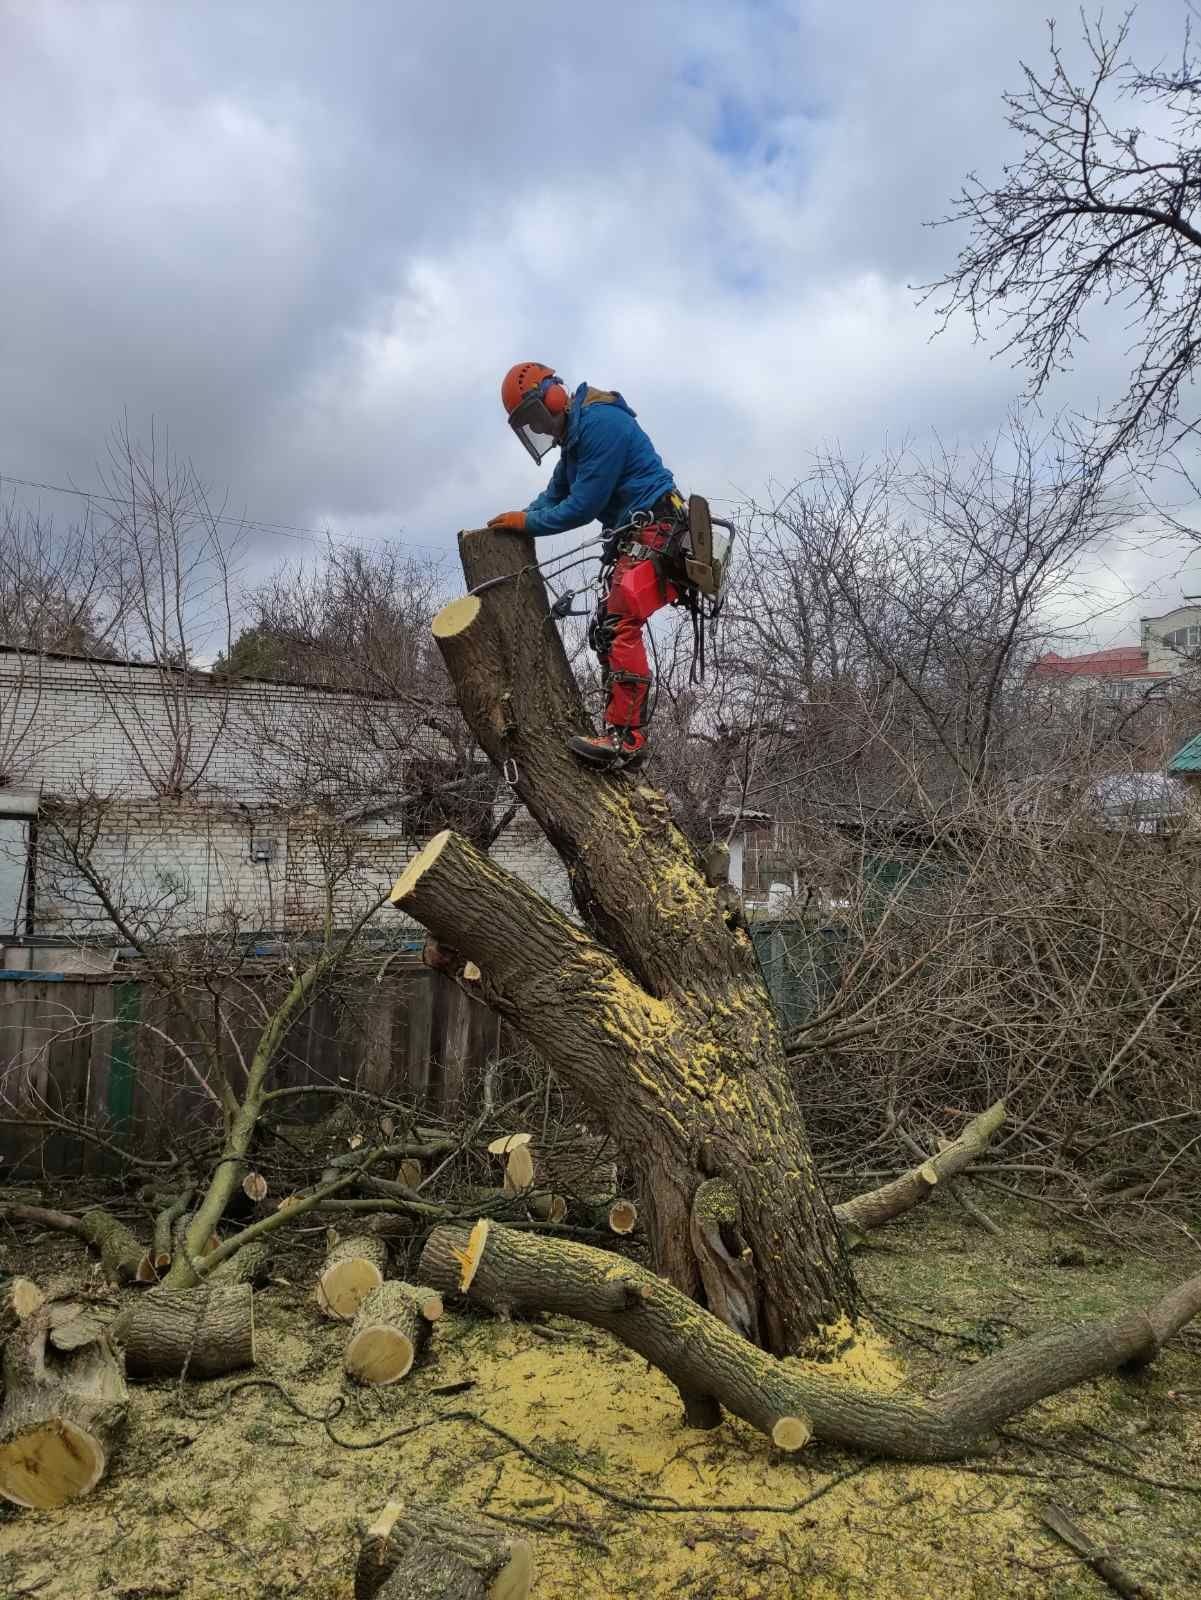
(312, 238)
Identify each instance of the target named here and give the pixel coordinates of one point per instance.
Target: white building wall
(252, 759)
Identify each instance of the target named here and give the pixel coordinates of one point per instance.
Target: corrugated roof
(1188, 757)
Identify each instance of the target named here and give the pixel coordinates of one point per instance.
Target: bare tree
(359, 624)
(1099, 211)
(174, 565)
(895, 606)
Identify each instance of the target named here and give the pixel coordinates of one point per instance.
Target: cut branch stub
(352, 1269)
(877, 1206)
(19, 1298)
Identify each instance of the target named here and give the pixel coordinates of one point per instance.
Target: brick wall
(248, 760)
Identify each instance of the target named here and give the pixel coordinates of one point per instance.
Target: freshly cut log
(408, 1172)
(63, 1415)
(391, 1329)
(19, 1298)
(254, 1187)
(545, 1207)
(206, 1331)
(409, 1549)
(353, 1267)
(519, 1170)
(623, 1216)
(252, 1264)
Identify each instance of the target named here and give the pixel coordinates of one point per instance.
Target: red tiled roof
(1122, 661)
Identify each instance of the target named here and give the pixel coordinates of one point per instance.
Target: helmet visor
(534, 425)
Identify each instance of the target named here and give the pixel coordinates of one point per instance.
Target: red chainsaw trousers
(635, 594)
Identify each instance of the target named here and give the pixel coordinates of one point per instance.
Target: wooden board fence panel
(111, 1050)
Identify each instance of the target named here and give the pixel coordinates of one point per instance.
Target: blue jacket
(608, 468)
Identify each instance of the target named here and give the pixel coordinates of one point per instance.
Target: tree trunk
(204, 1332)
(657, 1015)
(390, 1331)
(252, 1265)
(408, 1549)
(63, 1414)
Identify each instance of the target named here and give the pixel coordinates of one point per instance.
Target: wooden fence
(106, 1050)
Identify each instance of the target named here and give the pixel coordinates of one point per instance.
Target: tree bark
(656, 1015)
(63, 1415)
(121, 1253)
(406, 1548)
(252, 1265)
(204, 1332)
(714, 1367)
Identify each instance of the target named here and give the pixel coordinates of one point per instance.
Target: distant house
(1185, 765)
(1123, 672)
(1172, 642)
(245, 806)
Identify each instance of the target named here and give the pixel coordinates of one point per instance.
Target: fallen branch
(713, 1367)
(1056, 1518)
(877, 1206)
(121, 1253)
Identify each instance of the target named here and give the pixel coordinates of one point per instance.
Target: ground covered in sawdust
(227, 1493)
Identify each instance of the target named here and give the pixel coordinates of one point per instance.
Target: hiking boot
(611, 749)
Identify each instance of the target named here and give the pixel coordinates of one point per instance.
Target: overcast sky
(311, 237)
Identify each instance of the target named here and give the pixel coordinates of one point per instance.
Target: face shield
(534, 425)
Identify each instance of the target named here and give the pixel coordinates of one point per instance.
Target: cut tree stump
(19, 1299)
(206, 1332)
(408, 1550)
(353, 1267)
(63, 1414)
(390, 1331)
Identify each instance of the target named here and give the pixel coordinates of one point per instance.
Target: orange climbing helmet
(536, 400)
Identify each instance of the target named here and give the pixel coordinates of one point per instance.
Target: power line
(286, 529)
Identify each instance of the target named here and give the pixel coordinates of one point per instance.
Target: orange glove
(509, 519)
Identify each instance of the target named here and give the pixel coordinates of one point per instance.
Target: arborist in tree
(607, 469)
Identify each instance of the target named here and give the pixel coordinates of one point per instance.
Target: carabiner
(509, 772)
